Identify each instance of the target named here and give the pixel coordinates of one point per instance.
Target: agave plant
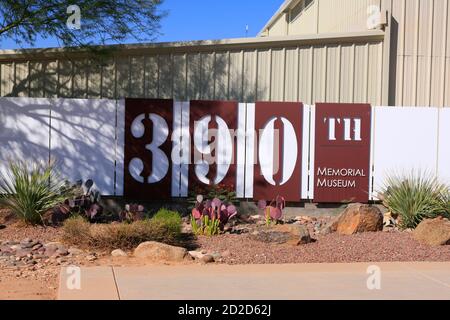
(210, 216)
(273, 211)
(415, 197)
(31, 190)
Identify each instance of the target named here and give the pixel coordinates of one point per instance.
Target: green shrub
(31, 190)
(169, 221)
(164, 227)
(416, 197)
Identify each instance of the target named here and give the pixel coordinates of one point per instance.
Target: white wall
(83, 140)
(24, 130)
(78, 134)
(405, 139)
(444, 145)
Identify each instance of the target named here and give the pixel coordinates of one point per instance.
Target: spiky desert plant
(415, 197)
(31, 190)
(210, 217)
(273, 211)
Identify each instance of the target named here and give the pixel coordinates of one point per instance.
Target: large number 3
(160, 163)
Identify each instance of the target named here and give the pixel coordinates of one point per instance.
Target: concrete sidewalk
(259, 282)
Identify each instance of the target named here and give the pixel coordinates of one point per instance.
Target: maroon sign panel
(342, 153)
(279, 128)
(213, 162)
(148, 145)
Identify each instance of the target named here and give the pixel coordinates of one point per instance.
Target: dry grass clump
(164, 227)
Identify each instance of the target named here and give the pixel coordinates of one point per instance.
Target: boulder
(330, 227)
(271, 236)
(434, 232)
(156, 251)
(286, 233)
(300, 233)
(358, 218)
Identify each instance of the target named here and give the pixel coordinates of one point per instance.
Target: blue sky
(201, 20)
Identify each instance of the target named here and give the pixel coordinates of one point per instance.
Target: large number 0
(266, 151)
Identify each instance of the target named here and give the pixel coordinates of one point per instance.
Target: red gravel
(366, 247)
(17, 230)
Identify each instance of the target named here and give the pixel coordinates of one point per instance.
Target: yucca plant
(415, 197)
(31, 190)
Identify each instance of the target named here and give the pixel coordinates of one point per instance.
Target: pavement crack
(115, 283)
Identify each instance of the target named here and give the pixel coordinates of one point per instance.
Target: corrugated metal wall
(335, 70)
(419, 47)
(421, 52)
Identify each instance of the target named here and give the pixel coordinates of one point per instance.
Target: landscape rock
(16, 247)
(156, 251)
(91, 257)
(53, 245)
(207, 259)
(330, 227)
(389, 220)
(22, 253)
(62, 252)
(29, 244)
(216, 256)
(256, 217)
(36, 247)
(241, 229)
(300, 233)
(2, 226)
(434, 232)
(272, 236)
(119, 253)
(75, 251)
(196, 254)
(358, 218)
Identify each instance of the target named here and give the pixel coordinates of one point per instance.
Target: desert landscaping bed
(365, 247)
(40, 282)
(35, 275)
(74, 229)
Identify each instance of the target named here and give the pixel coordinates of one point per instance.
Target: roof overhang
(285, 6)
(197, 46)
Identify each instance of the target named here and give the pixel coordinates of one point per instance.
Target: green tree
(101, 21)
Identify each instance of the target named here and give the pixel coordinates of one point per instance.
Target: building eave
(195, 46)
(286, 4)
